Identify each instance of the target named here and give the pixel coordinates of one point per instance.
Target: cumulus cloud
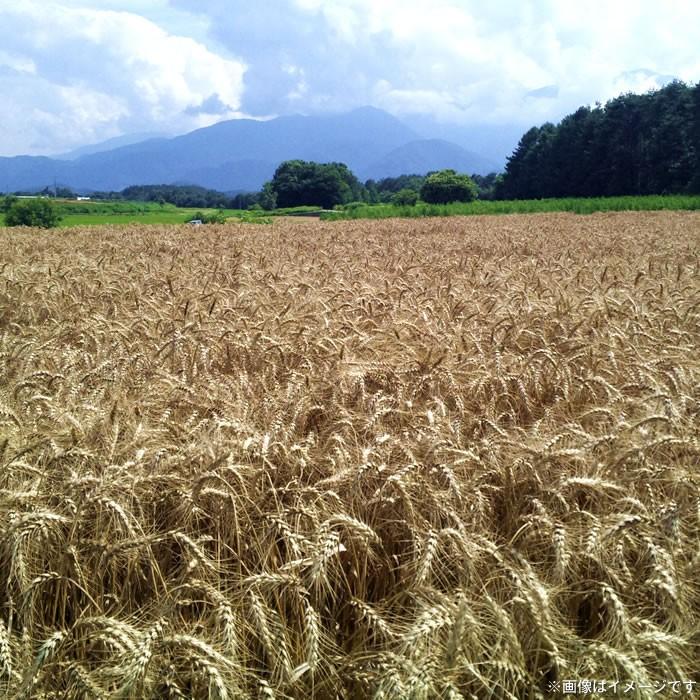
(473, 60)
(458, 60)
(77, 74)
(171, 65)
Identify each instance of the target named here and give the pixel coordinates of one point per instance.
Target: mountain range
(241, 154)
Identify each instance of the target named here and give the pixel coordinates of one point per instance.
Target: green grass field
(95, 213)
(530, 206)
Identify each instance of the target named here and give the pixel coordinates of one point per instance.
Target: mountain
(425, 155)
(108, 145)
(233, 176)
(241, 154)
(28, 172)
(496, 142)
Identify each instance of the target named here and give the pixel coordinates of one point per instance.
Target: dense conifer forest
(632, 145)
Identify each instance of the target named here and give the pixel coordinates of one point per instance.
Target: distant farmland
(118, 212)
(437, 458)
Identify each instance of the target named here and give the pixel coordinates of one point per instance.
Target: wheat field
(442, 458)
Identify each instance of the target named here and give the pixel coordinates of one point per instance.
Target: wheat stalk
(428, 458)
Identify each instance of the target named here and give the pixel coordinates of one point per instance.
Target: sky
(74, 72)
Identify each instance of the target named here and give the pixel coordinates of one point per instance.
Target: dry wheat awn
(439, 458)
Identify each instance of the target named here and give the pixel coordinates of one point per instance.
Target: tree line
(190, 196)
(326, 185)
(294, 183)
(179, 195)
(297, 183)
(632, 145)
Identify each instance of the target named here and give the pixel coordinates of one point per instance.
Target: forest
(633, 145)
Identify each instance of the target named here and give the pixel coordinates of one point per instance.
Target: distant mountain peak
(370, 110)
(240, 154)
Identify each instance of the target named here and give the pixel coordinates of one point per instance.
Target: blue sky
(74, 72)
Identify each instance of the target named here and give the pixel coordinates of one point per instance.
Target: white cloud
(170, 65)
(91, 74)
(469, 60)
(17, 63)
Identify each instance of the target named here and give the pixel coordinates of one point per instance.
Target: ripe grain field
(440, 458)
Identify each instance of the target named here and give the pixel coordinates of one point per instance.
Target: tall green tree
(447, 186)
(694, 185)
(520, 175)
(267, 198)
(635, 144)
(298, 183)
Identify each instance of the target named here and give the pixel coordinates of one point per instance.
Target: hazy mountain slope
(495, 142)
(353, 138)
(241, 175)
(108, 145)
(241, 154)
(422, 156)
(27, 172)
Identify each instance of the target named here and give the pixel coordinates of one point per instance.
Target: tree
(267, 198)
(448, 186)
(179, 195)
(486, 185)
(244, 200)
(372, 191)
(7, 202)
(298, 183)
(384, 190)
(524, 168)
(32, 212)
(694, 184)
(405, 198)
